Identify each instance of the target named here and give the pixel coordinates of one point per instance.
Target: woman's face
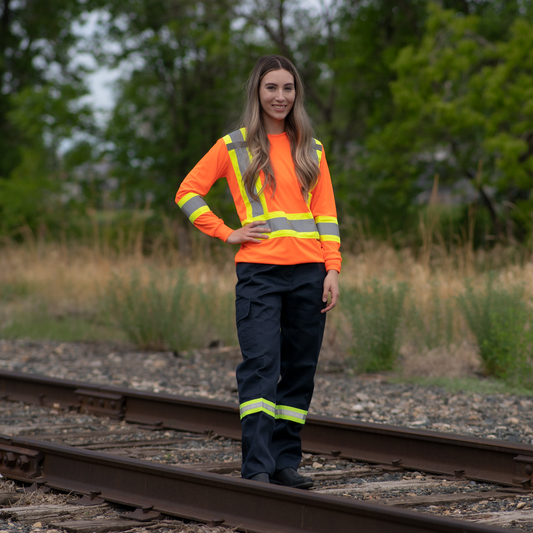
(276, 95)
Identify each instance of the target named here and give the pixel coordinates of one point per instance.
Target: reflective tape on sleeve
(193, 206)
(286, 412)
(259, 405)
(328, 228)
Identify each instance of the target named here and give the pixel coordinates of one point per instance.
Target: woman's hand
(253, 232)
(331, 286)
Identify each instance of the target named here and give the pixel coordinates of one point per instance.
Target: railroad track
(398, 461)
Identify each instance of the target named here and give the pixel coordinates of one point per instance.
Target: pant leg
(258, 313)
(302, 331)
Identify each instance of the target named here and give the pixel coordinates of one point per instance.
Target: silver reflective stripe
(256, 406)
(192, 205)
(303, 226)
(237, 145)
(328, 228)
(296, 415)
(240, 147)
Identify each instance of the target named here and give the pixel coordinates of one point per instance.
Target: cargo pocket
(242, 309)
(245, 326)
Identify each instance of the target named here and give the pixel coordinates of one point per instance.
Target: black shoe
(262, 477)
(290, 478)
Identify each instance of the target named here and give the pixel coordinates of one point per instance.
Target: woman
(287, 265)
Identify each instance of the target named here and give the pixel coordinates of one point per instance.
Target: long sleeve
(213, 166)
(324, 211)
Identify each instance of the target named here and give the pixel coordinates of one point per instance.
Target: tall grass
(429, 326)
(501, 321)
(166, 311)
(375, 313)
(186, 282)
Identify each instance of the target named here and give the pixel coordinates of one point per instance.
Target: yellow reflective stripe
(186, 198)
(256, 406)
(199, 212)
(326, 219)
(261, 195)
(291, 233)
(285, 412)
(279, 214)
(330, 238)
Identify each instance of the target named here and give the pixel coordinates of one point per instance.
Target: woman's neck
(273, 127)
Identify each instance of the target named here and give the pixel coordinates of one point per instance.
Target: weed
(166, 311)
(375, 313)
(501, 322)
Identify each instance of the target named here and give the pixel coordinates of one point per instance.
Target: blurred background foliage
(405, 95)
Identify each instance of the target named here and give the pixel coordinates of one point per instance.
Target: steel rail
(211, 498)
(447, 454)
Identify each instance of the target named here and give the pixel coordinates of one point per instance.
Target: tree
(39, 90)
(462, 110)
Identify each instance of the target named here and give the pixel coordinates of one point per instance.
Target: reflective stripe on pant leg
(256, 406)
(286, 412)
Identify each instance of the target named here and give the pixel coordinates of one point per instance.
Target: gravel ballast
(210, 373)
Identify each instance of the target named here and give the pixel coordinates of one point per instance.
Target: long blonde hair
(297, 126)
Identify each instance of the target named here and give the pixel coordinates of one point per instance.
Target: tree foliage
(40, 91)
(462, 111)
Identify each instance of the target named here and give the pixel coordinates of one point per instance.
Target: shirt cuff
(333, 264)
(223, 232)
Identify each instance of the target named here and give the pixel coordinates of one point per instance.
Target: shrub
(501, 322)
(166, 311)
(375, 314)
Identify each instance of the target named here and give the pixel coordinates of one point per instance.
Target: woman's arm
(213, 166)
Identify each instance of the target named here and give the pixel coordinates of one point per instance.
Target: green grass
(66, 329)
(465, 385)
(12, 291)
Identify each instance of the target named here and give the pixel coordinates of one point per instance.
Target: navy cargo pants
(280, 330)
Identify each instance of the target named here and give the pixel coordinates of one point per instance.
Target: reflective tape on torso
(300, 225)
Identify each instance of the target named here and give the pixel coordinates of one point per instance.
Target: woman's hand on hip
(331, 286)
(253, 232)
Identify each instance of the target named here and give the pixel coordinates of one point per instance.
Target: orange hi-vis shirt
(304, 230)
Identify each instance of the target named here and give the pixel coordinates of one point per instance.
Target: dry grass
(69, 280)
